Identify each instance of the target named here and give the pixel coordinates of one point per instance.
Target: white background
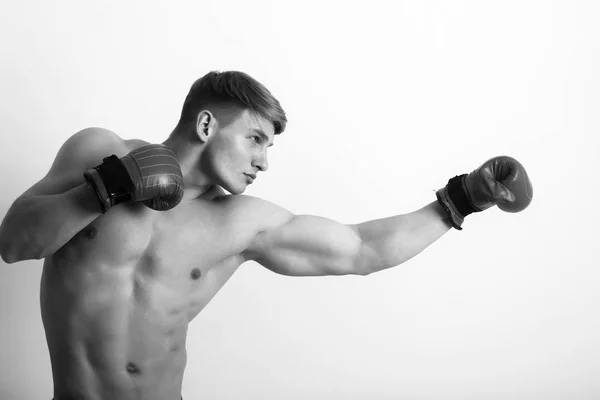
(386, 101)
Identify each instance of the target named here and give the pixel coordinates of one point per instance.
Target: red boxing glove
(500, 181)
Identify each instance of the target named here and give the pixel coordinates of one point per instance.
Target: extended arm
(314, 246)
(310, 246)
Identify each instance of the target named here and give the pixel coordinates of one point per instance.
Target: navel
(196, 273)
(133, 369)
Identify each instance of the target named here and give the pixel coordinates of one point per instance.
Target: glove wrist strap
(455, 200)
(95, 182)
(111, 182)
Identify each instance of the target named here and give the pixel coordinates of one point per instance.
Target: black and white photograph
(299, 200)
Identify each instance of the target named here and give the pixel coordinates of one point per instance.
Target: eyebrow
(262, 134)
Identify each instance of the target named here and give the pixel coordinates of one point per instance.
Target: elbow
(361, 267)
(10, 258)
(7, 253)
(365, 271)
(7, 258)
(370, 262)
(374, 255)
(365, 261)
(18, 244)
(14, 257)
(12, 253)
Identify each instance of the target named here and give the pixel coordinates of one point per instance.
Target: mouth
(250, 177)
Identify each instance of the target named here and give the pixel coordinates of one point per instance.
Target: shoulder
(87, 143)
(257, 214)
(82, 150)
(253, 219)
(100, 137)
(88, 147)
(94, 136)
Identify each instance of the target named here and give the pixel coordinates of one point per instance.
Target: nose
(260, 162)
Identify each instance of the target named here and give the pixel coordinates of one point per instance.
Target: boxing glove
(150, 174)
(500, 181)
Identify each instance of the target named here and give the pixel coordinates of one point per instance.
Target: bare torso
(118, 297)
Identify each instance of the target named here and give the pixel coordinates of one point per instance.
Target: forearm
(391, 241)
(36, 227)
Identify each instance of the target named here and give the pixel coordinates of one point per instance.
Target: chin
(234, 189)
(235, 192)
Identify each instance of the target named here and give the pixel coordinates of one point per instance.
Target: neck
(196, 182)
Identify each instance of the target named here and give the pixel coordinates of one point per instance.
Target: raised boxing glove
(500, 181)
(150, 174)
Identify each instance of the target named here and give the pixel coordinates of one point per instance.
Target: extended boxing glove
(150, 174)
(500, 181)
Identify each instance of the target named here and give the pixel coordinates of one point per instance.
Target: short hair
(233, 88)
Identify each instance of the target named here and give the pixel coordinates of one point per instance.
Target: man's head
(233, 118)
(232, 89)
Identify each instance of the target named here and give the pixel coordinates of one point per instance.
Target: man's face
(237, 150)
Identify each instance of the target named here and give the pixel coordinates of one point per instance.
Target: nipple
(132, 368)
(91, 232)
(196, 273)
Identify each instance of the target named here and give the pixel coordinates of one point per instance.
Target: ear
(205, 125)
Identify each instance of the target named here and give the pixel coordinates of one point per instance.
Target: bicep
(85, 149)
(307, 245)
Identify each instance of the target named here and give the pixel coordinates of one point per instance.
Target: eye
(256, 139)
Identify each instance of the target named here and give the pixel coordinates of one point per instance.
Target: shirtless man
(136, 245)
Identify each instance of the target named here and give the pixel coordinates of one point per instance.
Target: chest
(189, 239)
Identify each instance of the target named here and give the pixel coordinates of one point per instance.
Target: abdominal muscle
(113, 330)
(109, 341)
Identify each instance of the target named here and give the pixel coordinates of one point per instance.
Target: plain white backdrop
(386, 101)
